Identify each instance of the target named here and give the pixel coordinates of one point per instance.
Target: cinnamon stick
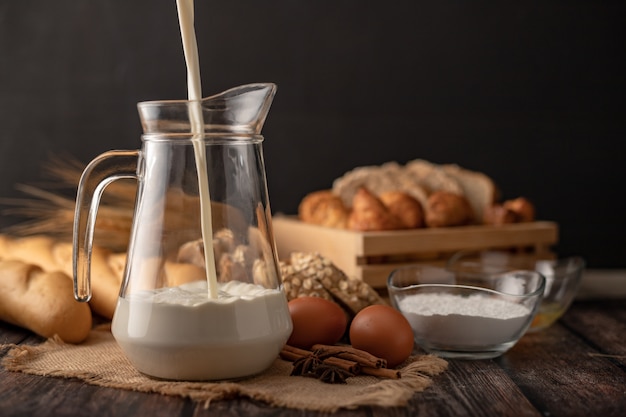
(290, 356)
(362, 357)
(346, 365)
(295, 350)
(347, 358)
(293, 353)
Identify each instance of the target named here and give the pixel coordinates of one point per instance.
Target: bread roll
(404, 207)
(522, 207)
(497, 214)
(432, 177)
(447, 209)
(323, 208)
(370, 214)
(518, 210)
(52, 256)
(42, 302)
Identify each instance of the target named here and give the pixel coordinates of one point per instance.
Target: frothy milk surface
(182, 333)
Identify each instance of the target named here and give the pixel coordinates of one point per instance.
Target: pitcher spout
(244, 108)
(239, 110)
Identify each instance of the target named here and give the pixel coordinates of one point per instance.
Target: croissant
(370, 214)
(444, 209)
(404, 207)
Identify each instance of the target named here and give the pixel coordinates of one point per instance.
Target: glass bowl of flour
(466, 314)
(563, 278)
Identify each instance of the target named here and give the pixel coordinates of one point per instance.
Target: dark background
(530, 92)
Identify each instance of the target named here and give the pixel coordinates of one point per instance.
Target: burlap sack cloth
(100, 361)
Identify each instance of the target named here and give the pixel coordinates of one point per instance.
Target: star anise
(306, 366)
(332, 374)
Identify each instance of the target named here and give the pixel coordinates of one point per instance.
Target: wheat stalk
(52, 213)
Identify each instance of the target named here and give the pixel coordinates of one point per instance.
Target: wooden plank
(30, 395)
(603, 330)
(558, 375)
(239, 407)
(473, 388)
(10, 334)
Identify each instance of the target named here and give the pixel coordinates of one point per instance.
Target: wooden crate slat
(458, 238)
(371, 256)
(338, 245)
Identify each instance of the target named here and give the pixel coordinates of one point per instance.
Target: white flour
(470, 322)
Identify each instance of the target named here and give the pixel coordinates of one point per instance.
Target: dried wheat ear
(47, 207)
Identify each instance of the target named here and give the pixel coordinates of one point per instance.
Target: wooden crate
(371, 256)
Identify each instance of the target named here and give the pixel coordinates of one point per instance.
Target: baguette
(53, 256)
(42, 302)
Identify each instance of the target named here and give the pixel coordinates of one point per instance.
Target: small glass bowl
(563, 277)
(466, 316)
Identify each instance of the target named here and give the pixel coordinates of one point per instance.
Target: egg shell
(384, 332)
(316, 320)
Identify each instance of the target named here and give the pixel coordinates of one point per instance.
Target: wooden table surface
(575, 368)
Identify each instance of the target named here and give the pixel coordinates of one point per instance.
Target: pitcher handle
(100, 172)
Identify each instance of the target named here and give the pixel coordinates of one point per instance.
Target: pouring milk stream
(194, 88)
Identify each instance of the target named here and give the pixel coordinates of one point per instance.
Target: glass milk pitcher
(185, 312)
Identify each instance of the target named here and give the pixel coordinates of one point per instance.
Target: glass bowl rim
(394, 289)
(579, 263)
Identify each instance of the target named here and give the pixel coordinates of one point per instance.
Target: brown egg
(384, 332)
(316, 320)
